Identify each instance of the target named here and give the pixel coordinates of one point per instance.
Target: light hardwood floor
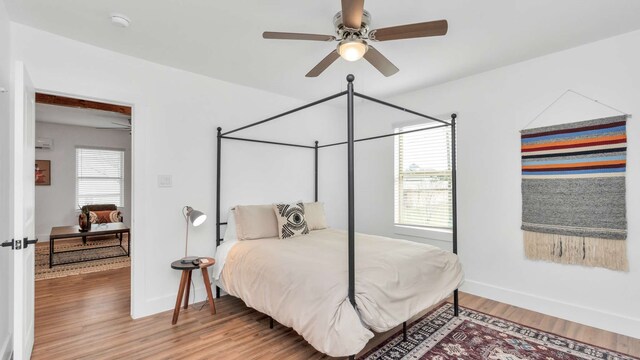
(87, 317)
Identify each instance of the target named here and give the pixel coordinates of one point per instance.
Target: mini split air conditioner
(44, 144)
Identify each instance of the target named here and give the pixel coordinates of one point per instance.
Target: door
(22, 202)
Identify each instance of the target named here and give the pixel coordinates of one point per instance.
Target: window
(99, 176)
(423, 177)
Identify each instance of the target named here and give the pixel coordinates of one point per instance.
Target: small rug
(43, 272)
(439, 335)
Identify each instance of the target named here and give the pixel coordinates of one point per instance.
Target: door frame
(22, 155)
(6, 344)
(134, 245)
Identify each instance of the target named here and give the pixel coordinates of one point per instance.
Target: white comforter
(302, 283)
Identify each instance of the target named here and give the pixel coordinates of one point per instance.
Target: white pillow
(315, 216)
(256, 222)
(230, 233)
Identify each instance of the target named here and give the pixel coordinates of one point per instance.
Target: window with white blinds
(99, 176)
(423, 177)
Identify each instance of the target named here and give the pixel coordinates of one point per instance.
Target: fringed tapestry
(573, 193)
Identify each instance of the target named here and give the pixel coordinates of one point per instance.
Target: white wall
(56, 204)
(492, 108)
(175, 115)
(6, 257)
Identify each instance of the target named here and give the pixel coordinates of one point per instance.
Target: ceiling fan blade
(375, 58)
(112, 128)
(296, 36)
(124, 126)
(352, 13)
(425, 29)
(324, 64)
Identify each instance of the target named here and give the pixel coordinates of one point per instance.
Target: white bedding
(302, 283)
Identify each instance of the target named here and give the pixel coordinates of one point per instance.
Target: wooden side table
(185, 284)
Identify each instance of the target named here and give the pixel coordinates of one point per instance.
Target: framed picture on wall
(43, 172)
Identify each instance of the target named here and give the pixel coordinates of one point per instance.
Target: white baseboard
(168, 302)
(577, 313)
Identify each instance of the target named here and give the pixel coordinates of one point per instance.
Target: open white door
(22, 217)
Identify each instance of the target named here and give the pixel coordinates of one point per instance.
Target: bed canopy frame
(350, 94)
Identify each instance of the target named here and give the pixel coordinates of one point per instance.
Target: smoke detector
(120, 20)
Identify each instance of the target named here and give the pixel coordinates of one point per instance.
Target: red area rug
(439, 335)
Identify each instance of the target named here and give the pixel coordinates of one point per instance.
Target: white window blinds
(423, 177)
(99, 176)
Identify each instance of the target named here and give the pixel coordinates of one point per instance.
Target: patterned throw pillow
(291, 221)
(114, 216)
(104, 216)
(93, 217)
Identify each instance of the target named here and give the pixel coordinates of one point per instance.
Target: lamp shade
(196, 217)
(352, 50)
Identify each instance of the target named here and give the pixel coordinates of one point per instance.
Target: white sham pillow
(315, 216)
(255, 222)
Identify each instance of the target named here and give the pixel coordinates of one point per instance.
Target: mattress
(302, 282)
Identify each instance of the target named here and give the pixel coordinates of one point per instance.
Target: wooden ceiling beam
(82, 104)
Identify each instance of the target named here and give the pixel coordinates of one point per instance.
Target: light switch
(165, 181)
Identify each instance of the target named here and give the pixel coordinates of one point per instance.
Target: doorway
(83, 207)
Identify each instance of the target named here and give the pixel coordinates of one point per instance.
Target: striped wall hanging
(573, 193)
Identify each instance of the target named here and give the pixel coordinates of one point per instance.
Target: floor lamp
(196, 218)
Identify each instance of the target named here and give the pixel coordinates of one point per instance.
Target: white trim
(6, 351)
(167, 302)
(423, 232)
(620, 324)
(90, 147)
(441, 234)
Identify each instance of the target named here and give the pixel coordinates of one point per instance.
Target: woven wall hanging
(574, 193)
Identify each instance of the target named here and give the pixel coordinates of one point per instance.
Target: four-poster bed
(447, 268)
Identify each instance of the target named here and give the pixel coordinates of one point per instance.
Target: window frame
(425, 232)
(122, 171)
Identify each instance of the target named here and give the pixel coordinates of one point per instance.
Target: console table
(68, 232)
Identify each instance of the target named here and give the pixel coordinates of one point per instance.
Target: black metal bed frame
(350, 93)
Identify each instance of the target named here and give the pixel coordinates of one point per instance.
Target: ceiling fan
(119, 126)
(353, 34)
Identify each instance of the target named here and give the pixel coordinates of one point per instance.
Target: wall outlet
(165, 181)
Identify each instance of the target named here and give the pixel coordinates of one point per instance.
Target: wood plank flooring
(87, 317)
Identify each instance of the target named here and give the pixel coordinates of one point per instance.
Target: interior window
(99, 176)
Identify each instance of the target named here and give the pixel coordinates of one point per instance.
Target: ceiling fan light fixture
(353, 49)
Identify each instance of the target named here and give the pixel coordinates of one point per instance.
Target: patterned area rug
(42, 270)
(439, 335)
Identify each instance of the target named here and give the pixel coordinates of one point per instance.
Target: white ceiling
(80, 117)
(222, 39)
